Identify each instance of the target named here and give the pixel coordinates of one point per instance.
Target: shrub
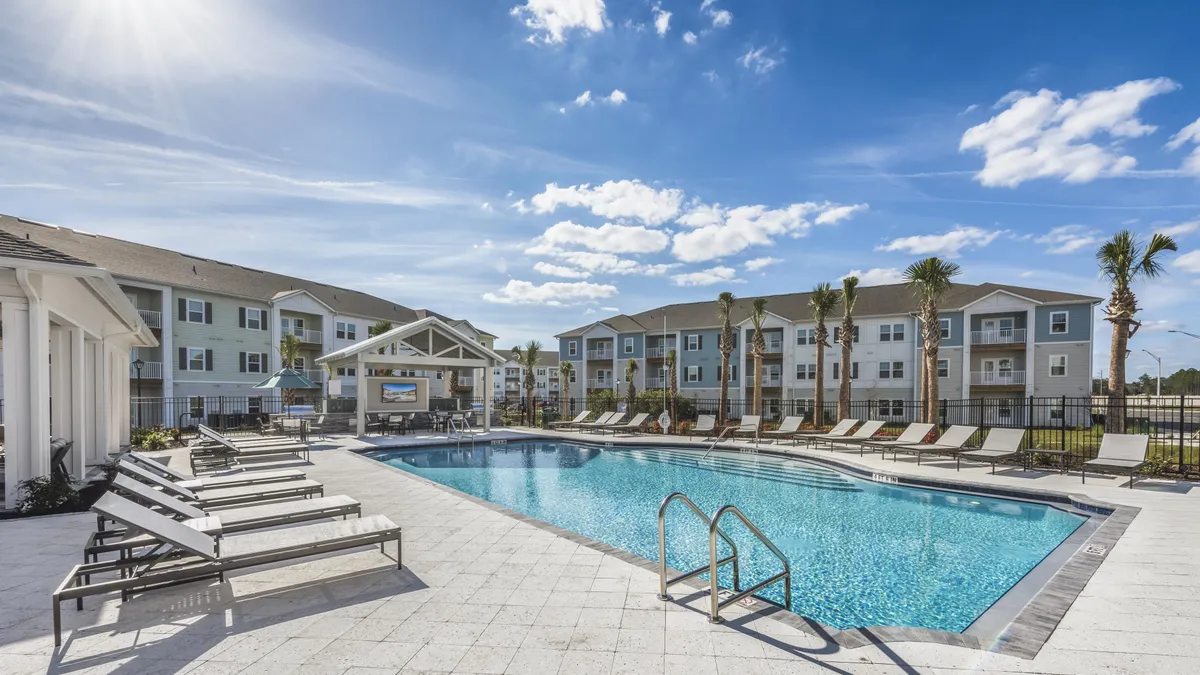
(153, 438)
(45, 494)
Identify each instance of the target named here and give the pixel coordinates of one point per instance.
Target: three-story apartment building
(509, 380)
(219, 325)
(997, 342)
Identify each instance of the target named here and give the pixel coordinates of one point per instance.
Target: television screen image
(400, 392)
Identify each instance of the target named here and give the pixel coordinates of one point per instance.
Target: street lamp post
(1158, 387)
(137, 366)
(1184, 332)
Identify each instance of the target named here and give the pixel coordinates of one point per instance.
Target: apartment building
(998, 342)
(509, 380)
(219, 325)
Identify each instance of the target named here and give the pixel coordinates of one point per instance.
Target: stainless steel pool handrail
(663, 581)
(714, 443)
(714, 590)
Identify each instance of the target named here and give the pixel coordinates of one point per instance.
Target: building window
(346, 331)
(252, 319)
(885, 332)
(196, 359)
(943, 366)
(541, 372)
(1056, 411)
(298, 363)
(254, 405)
(945, 324)
(572, 348)
(1058, 365)
(897, 370)
(853, 370)
(195, 311)
(733, 372)
(891, 408)
(628, 345)
(891, 370)
(347, 372)
(806, 336)
(897, 332)
(253, 362)
(1058, 323)
(806, 371)
(692, 373)
(693, 343)
(572, 377)
(1004, 410)
(885, 369)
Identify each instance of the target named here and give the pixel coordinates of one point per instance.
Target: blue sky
(534, 164)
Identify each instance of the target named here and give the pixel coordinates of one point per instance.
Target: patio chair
(210, 437)
(864, 433)
(842, 428)
(999, 445)
(195, 555)
(570, 423)
(224, 480)
(600, 421)
(706, 425)
(750, 425)
(59, 447)
(950, 443)
(1119, 453)
(224, 451)
(788, 428)
(634, 425)
(318, 426)
(216, 497)
(915, 433)
(614, 420)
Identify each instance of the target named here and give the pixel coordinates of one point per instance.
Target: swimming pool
(862, 553)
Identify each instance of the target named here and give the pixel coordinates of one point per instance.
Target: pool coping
(1023, 637)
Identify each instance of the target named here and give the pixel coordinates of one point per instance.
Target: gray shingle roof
(14, 246)
(148, 263)
(872, 301)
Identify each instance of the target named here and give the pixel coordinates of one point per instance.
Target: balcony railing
(310, 337)
(1005, 336)
(151, 370)
(998, 378)
(767, 381)
(512, 374)
(657, 382)
(152, 318)
(658, 352)
(315, 375)
(466, 381)
(599, 384)
(512, 386)
(774, 347)
(600, 355)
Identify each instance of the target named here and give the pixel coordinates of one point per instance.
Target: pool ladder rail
(714, 565)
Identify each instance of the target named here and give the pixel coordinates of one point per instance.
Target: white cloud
(1180, 229)
(608, 263)
(718, 233)
(486, 206)
(1189, 262)
(521, 207)
(583, 99)
(711, 75)
(721, 18)
(551, 20)
(1044, 136)
(1190, 133)
(877, 276)
(715, 275)
(759, 61)
(617, 97)
(1069, 239)
(759, 263)
(662, 20)
(613, 199)
(553, 293)
(948, 245)
(690, 38)
(610, 309)
(969, 109)
(560, 271)
(607, 238)
(837, 214)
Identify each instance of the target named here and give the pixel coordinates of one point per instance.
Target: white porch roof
(429, 342)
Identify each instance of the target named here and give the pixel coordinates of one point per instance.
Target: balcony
(466, 381)
(998, 378)
(152, 318)
(308, 337)
(314, 375)
(512, 386)
(151, 370)
(657, 382)
(659, 352)
(600, 354)
(998, 338)
(768, 381)
(773, 348)
(600, 384)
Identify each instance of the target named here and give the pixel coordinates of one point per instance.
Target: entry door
(998, 371)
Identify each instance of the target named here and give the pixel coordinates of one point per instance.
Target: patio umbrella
(287, 379)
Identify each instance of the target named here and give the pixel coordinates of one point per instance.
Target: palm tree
(673, 379)
(528, 359)
(758, 314)
(631, 391)
(725, 345)
(453, 382)
(821, 301)
(1123, 260)
(565, 369)
(849, 296)
(930, 279)
(382, 326)
(289, 352)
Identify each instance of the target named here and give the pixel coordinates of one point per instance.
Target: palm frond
(822, 300)
(849, 295)
(758, 313)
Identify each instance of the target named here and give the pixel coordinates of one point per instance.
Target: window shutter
(182, 310)
(208, 359)
(699, 342)
(262, 363)
(699, 373)
(241, 317)
(241, 362)
(208, 314)
(183, 364)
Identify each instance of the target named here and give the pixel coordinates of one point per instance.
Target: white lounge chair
(231, 479)
(839, 430)
(1119, 453)
(706, 425)
(1000, 444)
(914, 434)
(950, 443)
(603, 420)
(788, 428)
(194, 555)
(639, 420)
(861, 435)
(216, 497)
(573, 422)
(750, 425)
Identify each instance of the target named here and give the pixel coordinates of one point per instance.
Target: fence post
(221, 413)
(1062, 425)
(1182, 413)
(1029, 422)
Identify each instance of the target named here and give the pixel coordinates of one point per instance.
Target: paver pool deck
(485, 592)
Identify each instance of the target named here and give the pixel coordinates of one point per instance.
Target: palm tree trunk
(1114, 415)
(819, 391)
(758, 383)
(844, 386)
(723, 402)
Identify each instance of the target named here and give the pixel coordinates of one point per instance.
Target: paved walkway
(482, 592)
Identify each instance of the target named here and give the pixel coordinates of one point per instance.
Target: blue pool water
(862, 553)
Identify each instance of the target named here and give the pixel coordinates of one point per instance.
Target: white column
(966, 352)
(488, 375)
(120, 404)
(93, 395)
(60, 383)
(360, 406)
(18, 411)
(1029, 354)
(167, 344)
(78, 391)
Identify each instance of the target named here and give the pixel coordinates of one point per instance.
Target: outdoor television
(400, 392)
